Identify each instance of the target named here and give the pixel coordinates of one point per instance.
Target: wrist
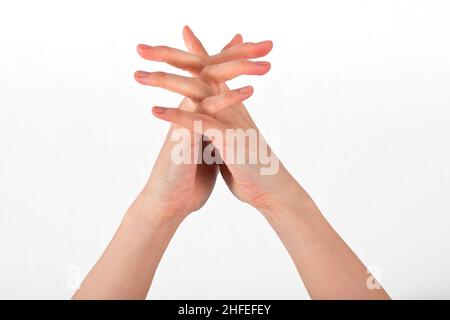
(147, 209)
(288, 198)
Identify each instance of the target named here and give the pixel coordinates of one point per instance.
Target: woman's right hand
(328, 267)
(248, 165)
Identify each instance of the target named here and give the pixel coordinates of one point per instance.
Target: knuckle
(246, 52)
(231, 94)
(204, 61)
(159, 77)
(241, 64)
(206, 72)
(163, 51)
(196, 90)
(246, 65)
(209, 105)
(199, 90)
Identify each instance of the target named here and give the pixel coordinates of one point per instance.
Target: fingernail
(244, 90)
(262, 63)
(143, 46)
(265, 42)
(159, 110)
(141, 74)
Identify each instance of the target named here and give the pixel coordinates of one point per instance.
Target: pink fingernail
(265, 42)
(141, 74)
(244, 90)
(159, 110)
(143, 46)
(262, 63)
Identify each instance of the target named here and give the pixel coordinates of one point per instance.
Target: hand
(246, 182)
(174, 189)
(252, 171)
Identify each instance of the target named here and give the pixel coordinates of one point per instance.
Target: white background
(357, 105)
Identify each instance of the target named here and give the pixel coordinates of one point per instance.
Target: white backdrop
(357, 105)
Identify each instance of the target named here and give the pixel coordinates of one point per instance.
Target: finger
(185, 86)
(230, 70)
(175, 57)
(243, 51)
(193, 43)
(193, 121)
(214, 104)
(237, 39)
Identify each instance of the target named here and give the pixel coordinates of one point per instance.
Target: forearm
(327, 266)
(126, 268)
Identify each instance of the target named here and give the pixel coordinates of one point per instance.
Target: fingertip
(138, 49)
(158, 111)
(188, 36)
(264, 47)
(187, 31)
(140, 74)
(269, 43)
(137, 76)
(142, 46)
(245, 92)
(248, 94)
(238, 38)
(264, 66)
(144, 51)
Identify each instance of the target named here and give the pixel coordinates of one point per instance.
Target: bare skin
(127, 267)
(328, 267)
